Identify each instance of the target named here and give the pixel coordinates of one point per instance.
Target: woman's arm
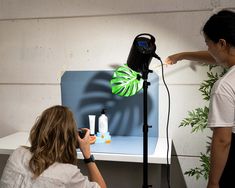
(220, 146)
(95, 175)
(93, 171)
(199, 56)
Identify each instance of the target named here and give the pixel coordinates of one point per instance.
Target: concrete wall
(41, 39)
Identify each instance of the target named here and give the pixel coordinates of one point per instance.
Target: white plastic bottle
(103, 123)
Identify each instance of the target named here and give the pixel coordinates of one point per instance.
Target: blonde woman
(51, 160)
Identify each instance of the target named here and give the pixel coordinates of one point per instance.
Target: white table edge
(9, 143)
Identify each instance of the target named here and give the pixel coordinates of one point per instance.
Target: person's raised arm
(93, 171)
(198, 56)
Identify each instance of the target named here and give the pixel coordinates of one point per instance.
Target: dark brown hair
(221, 26)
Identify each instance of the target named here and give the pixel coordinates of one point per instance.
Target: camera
(81, 133)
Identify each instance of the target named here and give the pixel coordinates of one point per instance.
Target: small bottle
(103, 122)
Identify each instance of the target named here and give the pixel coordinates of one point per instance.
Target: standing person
(51, 160)
(219, 34)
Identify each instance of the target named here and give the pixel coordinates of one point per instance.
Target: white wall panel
(11, 9)
(180, 165)
(38, 51)
(226, 4)
(184, 98)
(21, 104)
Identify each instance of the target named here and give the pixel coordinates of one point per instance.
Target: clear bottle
(103, 122)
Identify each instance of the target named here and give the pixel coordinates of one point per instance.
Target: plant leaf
(125, 82)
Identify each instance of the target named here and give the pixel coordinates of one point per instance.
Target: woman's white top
(59, 175)
(222, 102)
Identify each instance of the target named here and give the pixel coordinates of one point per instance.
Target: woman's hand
(173, 59)
(84, 144)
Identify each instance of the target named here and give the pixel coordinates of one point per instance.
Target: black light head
(142, 52)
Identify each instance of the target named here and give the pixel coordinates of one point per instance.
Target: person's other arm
(198, 56)
(93, 171)
(221, 141)
(95, 175)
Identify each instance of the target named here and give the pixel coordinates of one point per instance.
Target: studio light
(141, 53)
(130, 78)
(127, 80)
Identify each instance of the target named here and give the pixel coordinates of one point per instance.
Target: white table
(159, 156)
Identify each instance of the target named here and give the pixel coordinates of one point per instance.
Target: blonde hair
(53, 139)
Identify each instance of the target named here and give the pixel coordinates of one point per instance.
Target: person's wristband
(90, 159)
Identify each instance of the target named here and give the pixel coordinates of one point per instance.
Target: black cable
(167, 124)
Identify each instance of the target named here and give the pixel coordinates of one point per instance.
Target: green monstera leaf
(125, 82)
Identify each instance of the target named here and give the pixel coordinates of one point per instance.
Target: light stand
(145, 128)
(129, 79)
(142, 51)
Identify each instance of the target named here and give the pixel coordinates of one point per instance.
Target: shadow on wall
(177, 176)
(97, 95)
(88, 92)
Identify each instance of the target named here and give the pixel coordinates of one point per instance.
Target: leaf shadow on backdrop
(125, 113)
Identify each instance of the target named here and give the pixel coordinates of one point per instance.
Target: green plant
(126, 82)
(202, 170)
(197, 119)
